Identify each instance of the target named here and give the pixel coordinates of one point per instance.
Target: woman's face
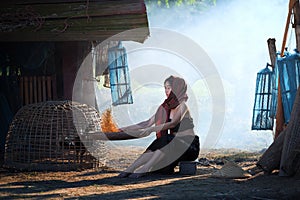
(167, 88)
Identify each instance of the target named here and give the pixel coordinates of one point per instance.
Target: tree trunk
(270, 160)
(290, 158)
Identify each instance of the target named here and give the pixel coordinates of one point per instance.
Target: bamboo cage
(48, 136)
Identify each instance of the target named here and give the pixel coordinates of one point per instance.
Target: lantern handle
(269, 65)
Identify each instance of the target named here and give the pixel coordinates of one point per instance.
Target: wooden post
(272, 51)
(296, 24)
(26, 90)
(49, 88)
(35, 100)
(44, 88)
(39, 84)
(279, 113)
(30, 89)
(22, 90)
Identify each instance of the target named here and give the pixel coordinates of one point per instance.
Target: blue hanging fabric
(261, 119)
(119, 75)
(289, 74)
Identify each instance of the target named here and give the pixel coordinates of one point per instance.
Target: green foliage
(177, 6)
(200, 4)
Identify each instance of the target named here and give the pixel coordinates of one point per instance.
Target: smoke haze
(234, 34)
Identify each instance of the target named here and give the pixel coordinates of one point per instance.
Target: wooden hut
(44, 42)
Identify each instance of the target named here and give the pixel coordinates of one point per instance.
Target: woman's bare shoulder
(182, 107)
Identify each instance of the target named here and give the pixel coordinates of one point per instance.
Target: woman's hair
(169, 79)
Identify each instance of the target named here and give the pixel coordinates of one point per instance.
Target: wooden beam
(81, 9)
(72, 20)
(80, 30)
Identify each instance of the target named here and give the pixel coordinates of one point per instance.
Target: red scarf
(177, 95)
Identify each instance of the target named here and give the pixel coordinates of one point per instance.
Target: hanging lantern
(119, 76)
(261, 119)
(289, 74)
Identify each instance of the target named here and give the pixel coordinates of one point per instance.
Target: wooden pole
(272, 51)
(291, 5)
(279, 113)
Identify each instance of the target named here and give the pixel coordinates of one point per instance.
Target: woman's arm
(179, 113)
(140, 125)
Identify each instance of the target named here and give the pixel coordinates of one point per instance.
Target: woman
(176, 140)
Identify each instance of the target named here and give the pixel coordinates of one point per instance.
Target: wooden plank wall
(65, 20)
(34, 89)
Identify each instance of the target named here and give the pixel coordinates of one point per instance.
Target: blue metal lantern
(261, 119)
(289, 74)
(119, 75)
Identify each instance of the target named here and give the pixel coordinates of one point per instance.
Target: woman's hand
(128, 129)
(146, 132)
(137, 132)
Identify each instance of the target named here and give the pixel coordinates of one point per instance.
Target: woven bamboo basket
(48, 136)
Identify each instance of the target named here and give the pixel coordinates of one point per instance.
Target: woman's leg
(141, 160)
(156, 157)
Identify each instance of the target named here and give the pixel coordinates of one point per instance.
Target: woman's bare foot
(136, 175)
(124, 174)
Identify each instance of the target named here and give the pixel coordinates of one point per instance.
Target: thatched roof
(71, 20)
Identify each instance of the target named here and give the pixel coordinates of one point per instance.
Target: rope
(21, 19)
(87, 11)
(27, 16)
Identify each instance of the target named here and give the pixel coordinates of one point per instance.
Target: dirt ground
(104, 184)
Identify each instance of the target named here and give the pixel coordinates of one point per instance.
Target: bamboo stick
(39, 84)
(22, 90)
(26, 90)
(291, 5)
(49, 88)
(44, 88)
(30, 89)
(34, 90)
